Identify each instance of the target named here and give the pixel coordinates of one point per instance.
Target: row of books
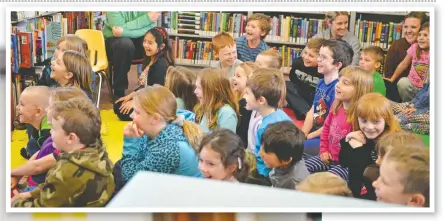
(371, 33)
(201, 52)
(294, 29)
(203, 23)
(34, 40)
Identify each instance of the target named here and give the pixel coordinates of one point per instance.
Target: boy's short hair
(40, 95)
(222, 40)
(80, 117)
(325, 183)
(341, 50)
(397, 139)
(315, 44)
(66, 93)
(285, 140)
(376, 52)
(413, 164)
(276, 58)
(267, 83)
(264, 22)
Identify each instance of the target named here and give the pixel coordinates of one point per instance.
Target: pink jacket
(335, 128)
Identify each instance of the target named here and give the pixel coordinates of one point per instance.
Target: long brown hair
(81, 69)
(424, 26)
(216, 90)
(181, 81)
(160, 100)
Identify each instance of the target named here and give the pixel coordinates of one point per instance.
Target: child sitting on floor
(82, 175)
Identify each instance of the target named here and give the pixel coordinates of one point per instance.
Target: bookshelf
(290, 30)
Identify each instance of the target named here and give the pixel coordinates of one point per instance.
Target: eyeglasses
(321, 57)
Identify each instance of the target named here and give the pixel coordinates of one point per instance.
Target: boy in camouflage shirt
(82, 176)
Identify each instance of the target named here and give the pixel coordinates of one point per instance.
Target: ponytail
(191, 130)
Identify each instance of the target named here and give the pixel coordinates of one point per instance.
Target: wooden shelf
(383, 13)
(192, 65)
(209, 37)
(39, 16)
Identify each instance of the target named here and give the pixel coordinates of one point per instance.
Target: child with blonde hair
(224, 47)
(269, 58)
(181, 81)
(217, 107)
(353, 83)
(325, 183)
(253, 43)
(39, 163)
(159, 140)
(371, 60)
(83, 167)
(372, 119)
(405, 177)
(239, 83)
(389, 140)
(222, 156)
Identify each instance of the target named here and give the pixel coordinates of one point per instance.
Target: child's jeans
(311, 146)
(406, 89)
(315, 164)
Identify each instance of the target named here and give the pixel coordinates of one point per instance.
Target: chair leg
(108, 83)
(99, 89)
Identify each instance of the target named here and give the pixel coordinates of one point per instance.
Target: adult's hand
(117, 31)
(154, 16)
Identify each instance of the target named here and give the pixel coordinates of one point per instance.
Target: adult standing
(124, 32)
(338, 29)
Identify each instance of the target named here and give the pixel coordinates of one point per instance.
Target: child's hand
(356, 135)
(325, 157)
(355, 143)
(389, 79)
(409, 111)
(14, 181)
(126, 107)
(124, 99)
(132, 131)
(310, 136)
(117, 31)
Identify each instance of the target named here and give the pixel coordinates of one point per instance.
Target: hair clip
(240, 162)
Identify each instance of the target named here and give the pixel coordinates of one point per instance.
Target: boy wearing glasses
(333, 56)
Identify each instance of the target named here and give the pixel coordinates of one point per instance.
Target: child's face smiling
(344, 89)
(371, 128)
(270, 159)
(252, 103)
(26, 109)
(198, 90)
(310, 57)
(228, 55)
(253, 30)
(263, 61)
(388, 186)
(211, 166)
(325, 61)
(239, 80)
(59, 137)
(58, 69)
(150, 45)
(424, 39)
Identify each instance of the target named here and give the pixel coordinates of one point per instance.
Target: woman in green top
(124, 32)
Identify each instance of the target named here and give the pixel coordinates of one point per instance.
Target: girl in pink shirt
(418, 58)
(353, 83)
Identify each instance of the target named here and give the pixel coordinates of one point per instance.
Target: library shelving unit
(191, 32)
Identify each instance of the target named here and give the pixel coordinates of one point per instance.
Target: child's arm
(323, 149)
(34, 167)
(401, 67)
(315, 133)
(163, 159)
(308, 123)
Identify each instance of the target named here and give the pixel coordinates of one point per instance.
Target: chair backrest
(96, 47)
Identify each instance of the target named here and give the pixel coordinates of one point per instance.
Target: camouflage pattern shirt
(82, 178)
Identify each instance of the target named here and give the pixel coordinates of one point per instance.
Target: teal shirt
(378, 84)
(230, 73)
(226, 118)
(134, 23)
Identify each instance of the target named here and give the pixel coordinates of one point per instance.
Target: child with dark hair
(222, 156)
(158, 57)
(282, 148)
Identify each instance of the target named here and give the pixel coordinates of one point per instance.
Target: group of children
(228, 123)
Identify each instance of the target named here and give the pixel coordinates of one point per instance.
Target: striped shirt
(244, 53)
